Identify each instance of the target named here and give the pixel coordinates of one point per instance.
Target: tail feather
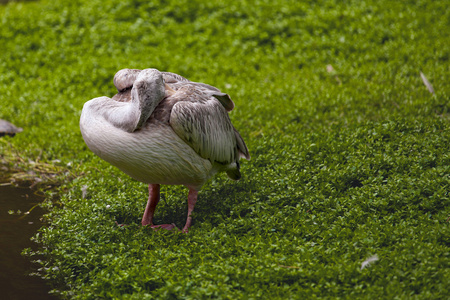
(242, 147)
(234, 172)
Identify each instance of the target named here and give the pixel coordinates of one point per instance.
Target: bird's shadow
(215, 201)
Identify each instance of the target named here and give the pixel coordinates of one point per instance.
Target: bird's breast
(153, 154)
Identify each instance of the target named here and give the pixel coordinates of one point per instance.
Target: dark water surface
(15, 233)
(6, 1)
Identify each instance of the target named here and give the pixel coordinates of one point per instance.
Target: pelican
(161, 128)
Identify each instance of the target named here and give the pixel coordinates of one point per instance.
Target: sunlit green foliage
(350, 151)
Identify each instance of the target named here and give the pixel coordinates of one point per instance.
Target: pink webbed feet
(164, 226)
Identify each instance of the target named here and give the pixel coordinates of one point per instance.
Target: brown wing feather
(203, 123)
(198, 118)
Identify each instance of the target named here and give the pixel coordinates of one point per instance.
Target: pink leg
(192, 199)
(153, 199)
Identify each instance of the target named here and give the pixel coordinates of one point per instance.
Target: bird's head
(149, 86)
(149, 90)
(125, 78)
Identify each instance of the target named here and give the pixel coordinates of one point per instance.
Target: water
(15, 233)
(6, 1)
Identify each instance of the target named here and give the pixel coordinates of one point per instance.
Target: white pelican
(164, 129)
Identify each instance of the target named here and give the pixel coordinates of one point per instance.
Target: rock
(7, 128)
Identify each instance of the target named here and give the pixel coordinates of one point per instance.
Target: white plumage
(368, 261)
(164, 129)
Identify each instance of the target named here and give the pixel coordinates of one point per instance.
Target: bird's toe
(164, 226)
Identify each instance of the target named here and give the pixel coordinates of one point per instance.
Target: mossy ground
(350, 151)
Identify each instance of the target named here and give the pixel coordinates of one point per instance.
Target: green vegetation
(350, 151)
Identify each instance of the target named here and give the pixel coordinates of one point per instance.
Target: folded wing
(203, 123)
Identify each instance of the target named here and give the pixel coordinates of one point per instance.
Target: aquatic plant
(350, 149)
